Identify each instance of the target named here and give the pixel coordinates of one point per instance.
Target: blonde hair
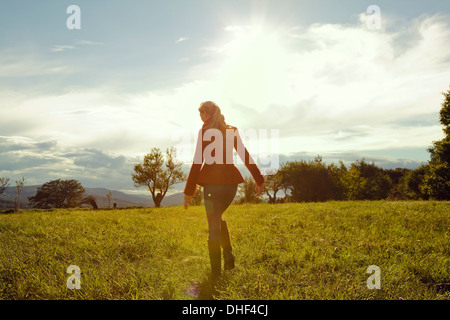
(213, 110)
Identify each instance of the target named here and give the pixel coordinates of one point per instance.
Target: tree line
(315, 181)
(306, 181)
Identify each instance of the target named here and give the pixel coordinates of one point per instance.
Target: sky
(298, 78)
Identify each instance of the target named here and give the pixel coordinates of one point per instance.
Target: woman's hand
(187, 201)
(259, 188)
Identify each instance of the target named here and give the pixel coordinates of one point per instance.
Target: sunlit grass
(283, 251)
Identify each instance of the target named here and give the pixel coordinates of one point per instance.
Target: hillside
(122, 199)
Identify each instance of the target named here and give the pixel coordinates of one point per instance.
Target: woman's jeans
(217, 199)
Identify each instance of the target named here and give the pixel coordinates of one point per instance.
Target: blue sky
(87, 104)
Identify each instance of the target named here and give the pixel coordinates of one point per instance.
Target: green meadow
(290, 251)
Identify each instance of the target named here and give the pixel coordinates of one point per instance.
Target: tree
(283, 174)
(90, 199)
(336, 174)
(309, 181)
(437, 181)
(18, 190)
(366, 181)
(58, 194)
(397, 176)
(152, 174)
(109, 196)
(247, 192)
(354, 184)
(274, 183)
(278, 182)
(437, 178)
(4, 183)
(413, 184)
(198, 196)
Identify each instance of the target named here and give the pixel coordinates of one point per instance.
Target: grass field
(283, 251)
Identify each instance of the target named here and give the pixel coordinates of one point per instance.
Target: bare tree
(109, 196)
(4, 183)
(18, 190)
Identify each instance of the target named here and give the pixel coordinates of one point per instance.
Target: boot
(215, 258)
(226, 246)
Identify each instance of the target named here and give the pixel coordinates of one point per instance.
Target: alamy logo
(261, 143)
(374, 20)
(374, 281)
(74, 281)
(74, 21)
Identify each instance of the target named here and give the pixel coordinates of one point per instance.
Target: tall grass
(283, 251)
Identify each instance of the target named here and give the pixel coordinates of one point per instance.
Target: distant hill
(122, 199)
(7, 198)
(129, 200)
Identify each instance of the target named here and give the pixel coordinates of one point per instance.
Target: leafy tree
(58, 194)
(437, 178)
(152, 174)
(366, 181)
(309, 181)
(274, 183)
(90, 200)
(247, 192)
(397, 177)
(337, 174)
(198, 196)
(354, 184)
(437, 181)
(282, 175)
(413, 184)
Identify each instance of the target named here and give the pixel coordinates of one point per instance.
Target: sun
(255, 69)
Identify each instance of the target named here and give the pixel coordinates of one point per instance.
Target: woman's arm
(248, 161)
(191, 183)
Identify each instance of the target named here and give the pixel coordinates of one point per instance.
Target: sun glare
(254, 72)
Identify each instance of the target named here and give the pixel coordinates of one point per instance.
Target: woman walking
(213, 168)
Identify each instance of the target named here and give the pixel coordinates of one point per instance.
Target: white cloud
(29, 65)
(181, 39)
(315, 81)
(88, 42)
(60, 48)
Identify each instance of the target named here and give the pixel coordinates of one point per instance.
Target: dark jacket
(207, 169)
